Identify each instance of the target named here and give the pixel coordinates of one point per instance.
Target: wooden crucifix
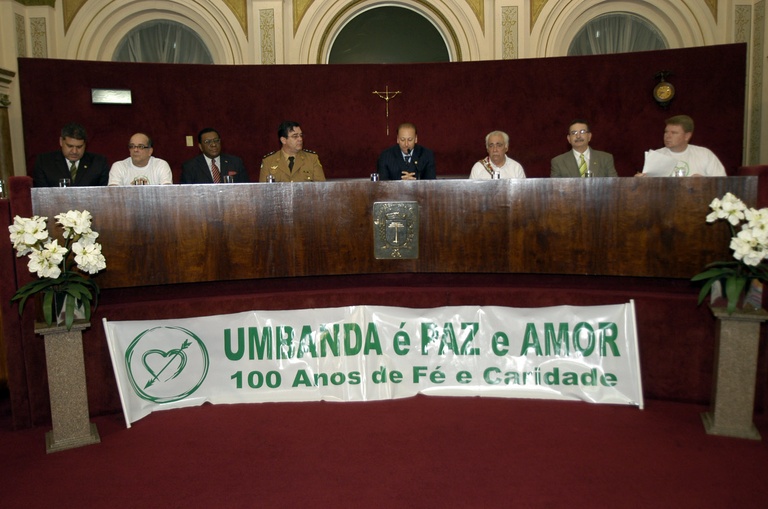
(387, 95)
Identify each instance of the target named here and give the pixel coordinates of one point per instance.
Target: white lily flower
(74, 222)
(54, 252)
(40, 262)
(88, 257)
(27, 233)
(732, 210)
(88, 237)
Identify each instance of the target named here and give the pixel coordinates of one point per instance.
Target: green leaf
(733, 288)
(705, 289)
(713, 273)
(48, 307)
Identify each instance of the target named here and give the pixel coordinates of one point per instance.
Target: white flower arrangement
(749, 245)
(55, 264)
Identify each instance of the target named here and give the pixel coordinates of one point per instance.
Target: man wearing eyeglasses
(71, 162)
(292, 163)
(211, 166)
(582, 160)
(141, 168)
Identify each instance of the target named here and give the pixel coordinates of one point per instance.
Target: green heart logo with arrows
(157, 362)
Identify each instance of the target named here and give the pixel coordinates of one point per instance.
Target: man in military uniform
(291, 163)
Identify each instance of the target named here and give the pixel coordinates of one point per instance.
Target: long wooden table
(155, 235)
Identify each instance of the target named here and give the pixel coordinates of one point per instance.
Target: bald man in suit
(600, 164)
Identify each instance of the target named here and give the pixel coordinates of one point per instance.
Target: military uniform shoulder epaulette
(309, 151)
(267, 155)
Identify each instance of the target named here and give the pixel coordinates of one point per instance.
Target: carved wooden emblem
(396, 230)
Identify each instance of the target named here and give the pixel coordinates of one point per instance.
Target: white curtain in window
(616, 33)
(165, 42)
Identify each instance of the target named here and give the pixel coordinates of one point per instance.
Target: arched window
(387, 35)
(617, 32)
(162, 41)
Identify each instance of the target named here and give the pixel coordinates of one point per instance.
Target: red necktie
(216, 172)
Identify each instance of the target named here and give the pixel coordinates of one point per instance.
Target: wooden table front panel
(155, 235)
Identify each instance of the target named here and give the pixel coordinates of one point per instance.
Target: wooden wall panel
(156, 235)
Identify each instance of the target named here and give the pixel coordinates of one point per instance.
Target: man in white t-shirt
(141, 168)
(497, 144)
(692, 160)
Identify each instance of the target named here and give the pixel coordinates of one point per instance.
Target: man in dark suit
(582, 161)
(406, 160)
(211, 166)
(71, 162)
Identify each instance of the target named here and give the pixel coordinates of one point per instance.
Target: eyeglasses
(496, 145)
(140, 147)
(214, 141)
(296, 136)
(580, 131)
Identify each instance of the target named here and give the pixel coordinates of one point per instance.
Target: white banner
(366, 353)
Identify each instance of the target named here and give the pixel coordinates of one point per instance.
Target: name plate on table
(396, 230)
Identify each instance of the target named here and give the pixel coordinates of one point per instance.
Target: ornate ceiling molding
(72, 7)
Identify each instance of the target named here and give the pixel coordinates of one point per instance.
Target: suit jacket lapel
(573, 166)
(62, 166)
(205, 171)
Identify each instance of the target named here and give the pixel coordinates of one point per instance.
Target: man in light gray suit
(582, 160)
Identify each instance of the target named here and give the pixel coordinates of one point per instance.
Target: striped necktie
(73, 171)
(582, 165)
(215, 171)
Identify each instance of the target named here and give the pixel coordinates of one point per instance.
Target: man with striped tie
(582, 161)
(210, 166)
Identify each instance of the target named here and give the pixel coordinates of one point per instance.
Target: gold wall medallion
(396, 230)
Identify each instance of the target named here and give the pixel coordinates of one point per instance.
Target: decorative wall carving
(509, 32)
(754, 130)
(742, 23)
(267, 35)
(39, 37)
(21, 37)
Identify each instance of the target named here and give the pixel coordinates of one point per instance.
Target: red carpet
(419, 452)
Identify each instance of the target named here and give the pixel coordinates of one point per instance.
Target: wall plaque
(396, 230)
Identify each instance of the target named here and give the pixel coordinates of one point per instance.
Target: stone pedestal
(733, 392)
(66, 385)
